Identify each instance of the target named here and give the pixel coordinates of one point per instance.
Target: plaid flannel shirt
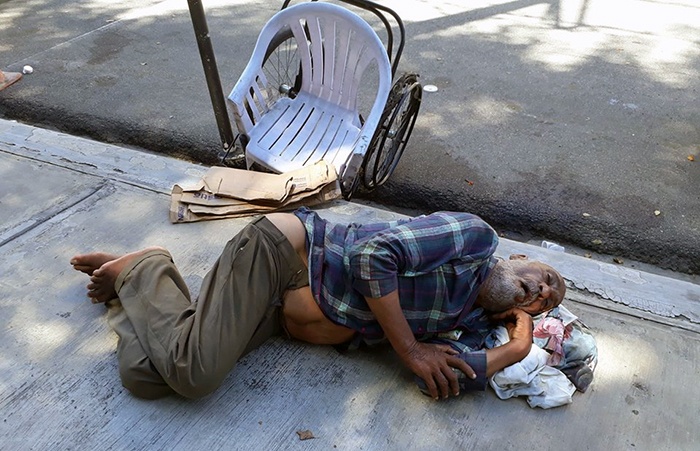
(436, 262)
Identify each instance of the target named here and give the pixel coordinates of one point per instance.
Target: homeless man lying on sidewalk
(321, 283)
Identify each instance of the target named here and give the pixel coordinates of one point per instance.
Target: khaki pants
(169, 344)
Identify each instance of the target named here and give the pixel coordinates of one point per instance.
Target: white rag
(545, 386)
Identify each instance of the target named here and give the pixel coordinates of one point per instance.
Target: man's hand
(518, 323)
(433, 363)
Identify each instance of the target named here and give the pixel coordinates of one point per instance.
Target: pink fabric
(554, 329)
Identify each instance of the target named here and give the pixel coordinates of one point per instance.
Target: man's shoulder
(456, 220)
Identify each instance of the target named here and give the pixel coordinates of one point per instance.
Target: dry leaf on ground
(305, 434)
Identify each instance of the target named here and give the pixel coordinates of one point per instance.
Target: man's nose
(545, 290)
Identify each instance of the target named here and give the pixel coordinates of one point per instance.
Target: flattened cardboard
(247, 185)
(227, 192)
(181, 212)
(251, 206)
(251, 185)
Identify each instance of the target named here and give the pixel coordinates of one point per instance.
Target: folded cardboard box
(227, 192)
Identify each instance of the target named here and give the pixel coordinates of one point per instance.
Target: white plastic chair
(321, 121)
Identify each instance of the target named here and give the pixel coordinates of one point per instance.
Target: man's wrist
(404, 347)
(519, 347)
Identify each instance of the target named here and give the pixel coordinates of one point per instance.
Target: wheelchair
(296, 101)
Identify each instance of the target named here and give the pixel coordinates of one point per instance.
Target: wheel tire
(391, 137)
(282, 67)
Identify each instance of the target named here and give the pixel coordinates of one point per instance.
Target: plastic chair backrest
(335, 46)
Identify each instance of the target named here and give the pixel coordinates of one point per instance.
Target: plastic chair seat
(301, 131)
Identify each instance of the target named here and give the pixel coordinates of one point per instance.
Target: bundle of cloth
(562, 360)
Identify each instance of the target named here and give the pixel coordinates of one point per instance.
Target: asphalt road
(571, 120)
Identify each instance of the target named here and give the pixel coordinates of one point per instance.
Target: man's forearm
(389, 315)
(431, 363)
(388, 312)
(503, 356)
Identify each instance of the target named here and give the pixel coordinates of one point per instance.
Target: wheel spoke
(396, 127)
(281, 67)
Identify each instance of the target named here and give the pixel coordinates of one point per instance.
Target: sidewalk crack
(42, 218)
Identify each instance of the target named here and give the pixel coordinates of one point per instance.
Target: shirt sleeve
(417, 247)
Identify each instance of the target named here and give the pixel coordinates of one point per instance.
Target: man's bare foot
(88, 263)
(101, 286)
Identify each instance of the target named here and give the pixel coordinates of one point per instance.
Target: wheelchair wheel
(394, 130)
(282, 67)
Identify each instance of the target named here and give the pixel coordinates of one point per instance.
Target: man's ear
(517, 257)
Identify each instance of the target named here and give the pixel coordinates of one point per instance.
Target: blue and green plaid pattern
(436, 262)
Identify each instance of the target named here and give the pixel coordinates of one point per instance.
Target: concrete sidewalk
(60, 388)
(571, 119)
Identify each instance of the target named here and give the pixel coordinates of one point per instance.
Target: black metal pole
(211, 72)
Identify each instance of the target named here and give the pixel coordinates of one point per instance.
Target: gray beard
(501, 289)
